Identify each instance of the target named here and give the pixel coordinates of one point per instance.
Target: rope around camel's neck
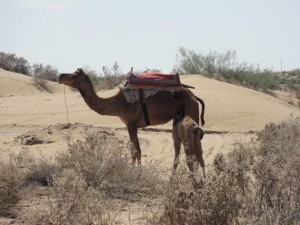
(69, 124)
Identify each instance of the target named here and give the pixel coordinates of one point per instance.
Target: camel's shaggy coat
(188, 132)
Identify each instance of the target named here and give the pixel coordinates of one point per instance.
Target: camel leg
(190, 149)
(202, 163)
(177, 145)
(189, 159)
(199, 154)
(136, 154)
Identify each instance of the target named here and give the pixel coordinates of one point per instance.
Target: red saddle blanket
(154, 79)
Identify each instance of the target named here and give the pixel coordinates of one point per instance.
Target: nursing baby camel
(188, 132)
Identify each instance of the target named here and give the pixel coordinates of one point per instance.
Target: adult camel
(161, 107)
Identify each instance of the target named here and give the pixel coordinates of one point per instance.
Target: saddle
(148, 84)
(153, 79)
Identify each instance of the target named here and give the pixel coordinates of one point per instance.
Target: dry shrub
(214, 200)
(41, 172)
(98, 159)
(36, 171)
(110, 77)
(298, 96)
(89, 180)
(258, 183)
(104, 163)
(277, 172)
(41, 83)
(11, 62)
(10, 183)
(73, 203)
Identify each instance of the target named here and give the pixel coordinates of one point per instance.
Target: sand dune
(15, 84)
(229, 108)
(236, 109)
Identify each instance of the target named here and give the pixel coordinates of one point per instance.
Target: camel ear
(131, 71)
(80, 71)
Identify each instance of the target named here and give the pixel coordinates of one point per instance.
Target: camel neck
(103, 106)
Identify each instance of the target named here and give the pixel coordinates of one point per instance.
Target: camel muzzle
(60, 78)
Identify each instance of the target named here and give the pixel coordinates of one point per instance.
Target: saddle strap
(144, 107)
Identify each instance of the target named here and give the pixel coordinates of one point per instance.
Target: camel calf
(188, 132)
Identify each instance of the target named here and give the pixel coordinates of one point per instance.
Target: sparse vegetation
(86, 182)
(10, 183)
(226, 68)
(110, 77)
(73, 202)
(221, 66)
(295, 73)
(256, 184)
(42, 74)
(10, 62)
(104, 162)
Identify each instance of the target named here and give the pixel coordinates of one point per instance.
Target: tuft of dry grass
(214, 200)
(72, 202)
(10, 183)
(104, 162)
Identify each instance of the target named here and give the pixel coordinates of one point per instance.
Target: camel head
(74, 80)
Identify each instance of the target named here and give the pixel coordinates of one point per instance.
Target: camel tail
(202, 104)
(202, 111)
(198, 129)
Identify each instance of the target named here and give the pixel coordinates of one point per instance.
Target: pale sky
(69, 34)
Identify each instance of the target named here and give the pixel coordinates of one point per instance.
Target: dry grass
(257, 183)
(72, 202)
(104, 162)
(10, 183)
(41, 83)
(91, 182)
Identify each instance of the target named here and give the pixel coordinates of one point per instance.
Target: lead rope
(69, 124)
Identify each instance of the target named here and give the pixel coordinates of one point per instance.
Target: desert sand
(34, 120)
